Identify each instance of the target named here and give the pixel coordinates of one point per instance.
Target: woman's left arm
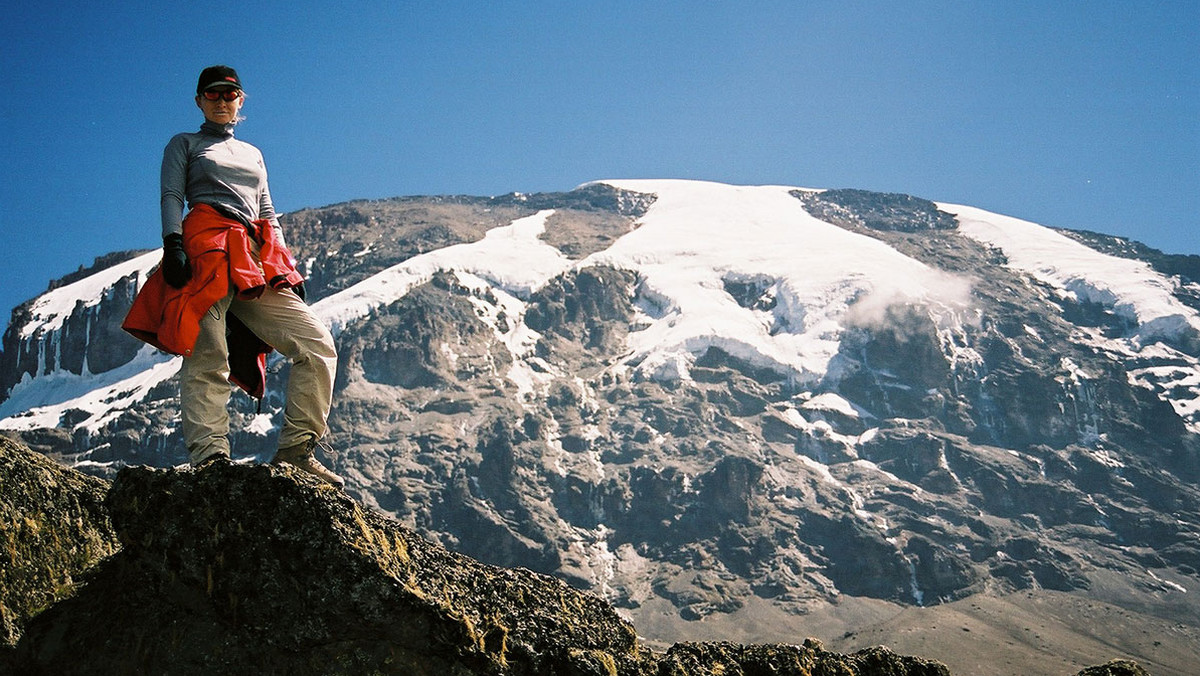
(266, 208)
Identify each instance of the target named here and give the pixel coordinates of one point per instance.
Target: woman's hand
(175, 267)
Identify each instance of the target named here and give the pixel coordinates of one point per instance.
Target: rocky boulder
(254, 568)
(257, 569)
(1116, 668)
(55, 527)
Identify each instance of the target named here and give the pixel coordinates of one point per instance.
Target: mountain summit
(714, 404)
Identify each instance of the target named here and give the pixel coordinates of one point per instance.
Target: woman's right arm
(173, 181)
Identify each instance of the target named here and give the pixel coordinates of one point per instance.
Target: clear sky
(1075, 114)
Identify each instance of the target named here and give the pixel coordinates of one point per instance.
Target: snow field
(697, 235)
(1130, 288)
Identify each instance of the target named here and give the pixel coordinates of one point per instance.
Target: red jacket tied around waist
(220, 252)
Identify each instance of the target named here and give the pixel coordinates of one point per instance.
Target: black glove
(299, 289)
(175, 266)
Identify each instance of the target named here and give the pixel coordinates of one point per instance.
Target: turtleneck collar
(214, 129)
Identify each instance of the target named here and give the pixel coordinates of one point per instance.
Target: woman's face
(221, 111)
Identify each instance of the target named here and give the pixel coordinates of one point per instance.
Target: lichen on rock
(54, 527)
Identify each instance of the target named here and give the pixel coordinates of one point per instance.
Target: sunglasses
(228, 94)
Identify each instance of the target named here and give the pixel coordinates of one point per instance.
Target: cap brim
(231, 85)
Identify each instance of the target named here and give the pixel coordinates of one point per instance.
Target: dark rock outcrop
(53, 527)
(727, 659)
(876, 210)
(590, 307)
(1116, 668)
(254, 569)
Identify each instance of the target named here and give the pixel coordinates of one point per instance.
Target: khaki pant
(286, 323)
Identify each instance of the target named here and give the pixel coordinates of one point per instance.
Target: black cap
(218, 76)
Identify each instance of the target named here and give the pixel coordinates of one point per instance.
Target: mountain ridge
(711, 398)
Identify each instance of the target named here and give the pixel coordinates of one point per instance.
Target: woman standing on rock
(226, 272)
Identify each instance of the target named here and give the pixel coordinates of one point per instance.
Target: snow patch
(510, 257)
(836, 403)
(261, 424)
(1167, 583)
(51, 309)
(915, 586)
(93, 399)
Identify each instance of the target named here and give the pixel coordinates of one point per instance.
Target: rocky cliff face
(83, 334)
(946, 418)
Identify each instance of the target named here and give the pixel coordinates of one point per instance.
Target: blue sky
(1075, 114)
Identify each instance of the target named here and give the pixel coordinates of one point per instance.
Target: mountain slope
(715, 398)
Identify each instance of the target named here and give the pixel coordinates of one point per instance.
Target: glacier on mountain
(1162, 343)
(1130, 288)
(93, 399)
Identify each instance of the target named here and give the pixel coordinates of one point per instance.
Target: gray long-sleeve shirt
(212, 167)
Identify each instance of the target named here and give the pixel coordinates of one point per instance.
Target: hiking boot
(301, 457)
(212, 460)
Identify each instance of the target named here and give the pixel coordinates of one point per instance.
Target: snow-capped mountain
(706, 398)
